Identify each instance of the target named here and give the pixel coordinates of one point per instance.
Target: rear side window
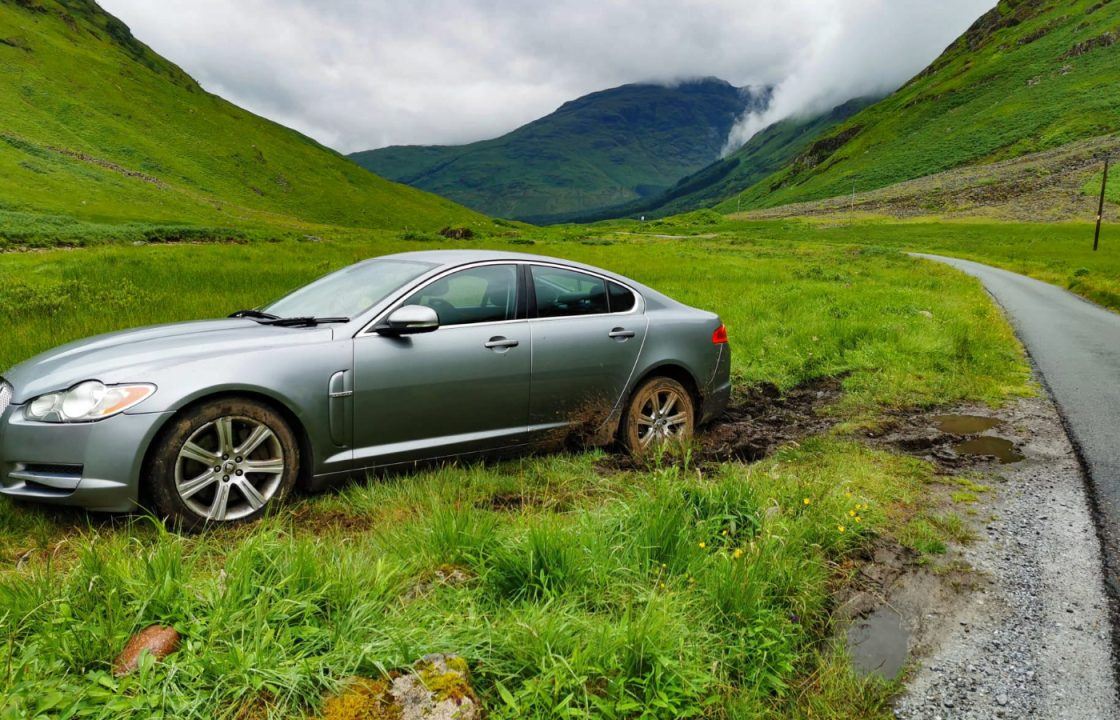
(621, 299)
(562, 292)
(481, 294)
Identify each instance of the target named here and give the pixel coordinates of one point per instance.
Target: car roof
(450, 258)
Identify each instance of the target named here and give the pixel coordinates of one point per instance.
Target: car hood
(137, 355)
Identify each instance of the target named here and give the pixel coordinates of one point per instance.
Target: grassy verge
(669, 592)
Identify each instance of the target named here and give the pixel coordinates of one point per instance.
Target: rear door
(462, 388)
(587, 334)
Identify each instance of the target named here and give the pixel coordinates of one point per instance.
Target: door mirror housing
(409, 320)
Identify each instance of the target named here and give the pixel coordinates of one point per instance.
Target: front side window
(562, 292)
(481, 294)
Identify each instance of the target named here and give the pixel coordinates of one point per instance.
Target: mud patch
(964, 424)
(508, 502)
(985, 446)
(762, 419)
(879, 643)
(308, 516)
(953, 442)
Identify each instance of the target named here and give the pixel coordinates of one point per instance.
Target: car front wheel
(223, 461)
(661, 411)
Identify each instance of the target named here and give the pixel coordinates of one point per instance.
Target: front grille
(5, 396)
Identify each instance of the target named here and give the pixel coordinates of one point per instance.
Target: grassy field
(674, 591)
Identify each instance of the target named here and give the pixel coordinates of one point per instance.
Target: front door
(462, 388)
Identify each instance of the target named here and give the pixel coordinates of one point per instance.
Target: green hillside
(97, 128)
(600, 150)
(1027, 76)
(765, 153)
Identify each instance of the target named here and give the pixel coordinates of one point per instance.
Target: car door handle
(622, 333)
(500, 342)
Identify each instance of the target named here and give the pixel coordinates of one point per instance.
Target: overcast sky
(358, 74)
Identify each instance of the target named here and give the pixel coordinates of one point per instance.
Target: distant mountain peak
(604, 148)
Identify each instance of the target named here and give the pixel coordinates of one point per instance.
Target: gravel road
(1032, 639)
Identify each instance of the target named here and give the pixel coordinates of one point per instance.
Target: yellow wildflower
(738, 553)
(851, 513)
(807, 501)
(840, 528)
(703, 544)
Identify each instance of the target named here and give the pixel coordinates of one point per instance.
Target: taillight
(719, 337)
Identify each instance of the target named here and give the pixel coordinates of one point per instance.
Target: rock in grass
(158, 640)
(435, 688)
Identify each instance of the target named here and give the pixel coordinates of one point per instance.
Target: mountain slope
(97, 127)
(765, 153)
(1029, 75)
(602, 149)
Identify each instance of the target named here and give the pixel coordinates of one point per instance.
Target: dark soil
(762, 419)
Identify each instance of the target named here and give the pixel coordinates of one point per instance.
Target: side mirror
(410, 320)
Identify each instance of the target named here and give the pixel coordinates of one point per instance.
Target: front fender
(296, 378)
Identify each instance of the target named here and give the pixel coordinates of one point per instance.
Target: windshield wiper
(255, 314)
(303, 321)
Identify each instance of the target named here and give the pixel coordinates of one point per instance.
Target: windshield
(350, 291)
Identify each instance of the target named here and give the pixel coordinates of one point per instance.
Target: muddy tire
(661, 411)
(221, 462)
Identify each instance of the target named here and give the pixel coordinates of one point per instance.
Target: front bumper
(91, 465)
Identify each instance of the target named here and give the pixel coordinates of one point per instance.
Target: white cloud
(359, 74)
(865, 47)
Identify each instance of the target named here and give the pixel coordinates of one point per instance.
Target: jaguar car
(394, 360)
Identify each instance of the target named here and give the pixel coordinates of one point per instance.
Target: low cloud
(360, 74)
(866, 47)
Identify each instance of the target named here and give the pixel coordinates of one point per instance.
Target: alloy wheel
(229, 468)
(659, 419)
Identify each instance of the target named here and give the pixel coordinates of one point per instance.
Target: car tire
(660, 411)
(220, 462)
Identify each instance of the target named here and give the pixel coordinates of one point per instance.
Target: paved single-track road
(1076, 347)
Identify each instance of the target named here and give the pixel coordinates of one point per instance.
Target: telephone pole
(1100, 206)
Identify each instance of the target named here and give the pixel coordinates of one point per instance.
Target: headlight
(86, 402)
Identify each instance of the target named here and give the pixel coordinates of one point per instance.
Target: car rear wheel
(661, 411)
(223, 461)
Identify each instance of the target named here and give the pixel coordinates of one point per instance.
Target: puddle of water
(1003, 450)
(964, 424)
(878, 643)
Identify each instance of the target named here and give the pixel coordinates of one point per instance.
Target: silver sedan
(396, 359)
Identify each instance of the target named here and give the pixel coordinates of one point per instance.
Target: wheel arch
(673, 370)
(306, 450)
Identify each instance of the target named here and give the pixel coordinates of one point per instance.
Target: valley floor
(569, 583)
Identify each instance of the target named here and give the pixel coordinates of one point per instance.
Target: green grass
(593, 596)
(1005, 89)
(665, 594)
(130, 138)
